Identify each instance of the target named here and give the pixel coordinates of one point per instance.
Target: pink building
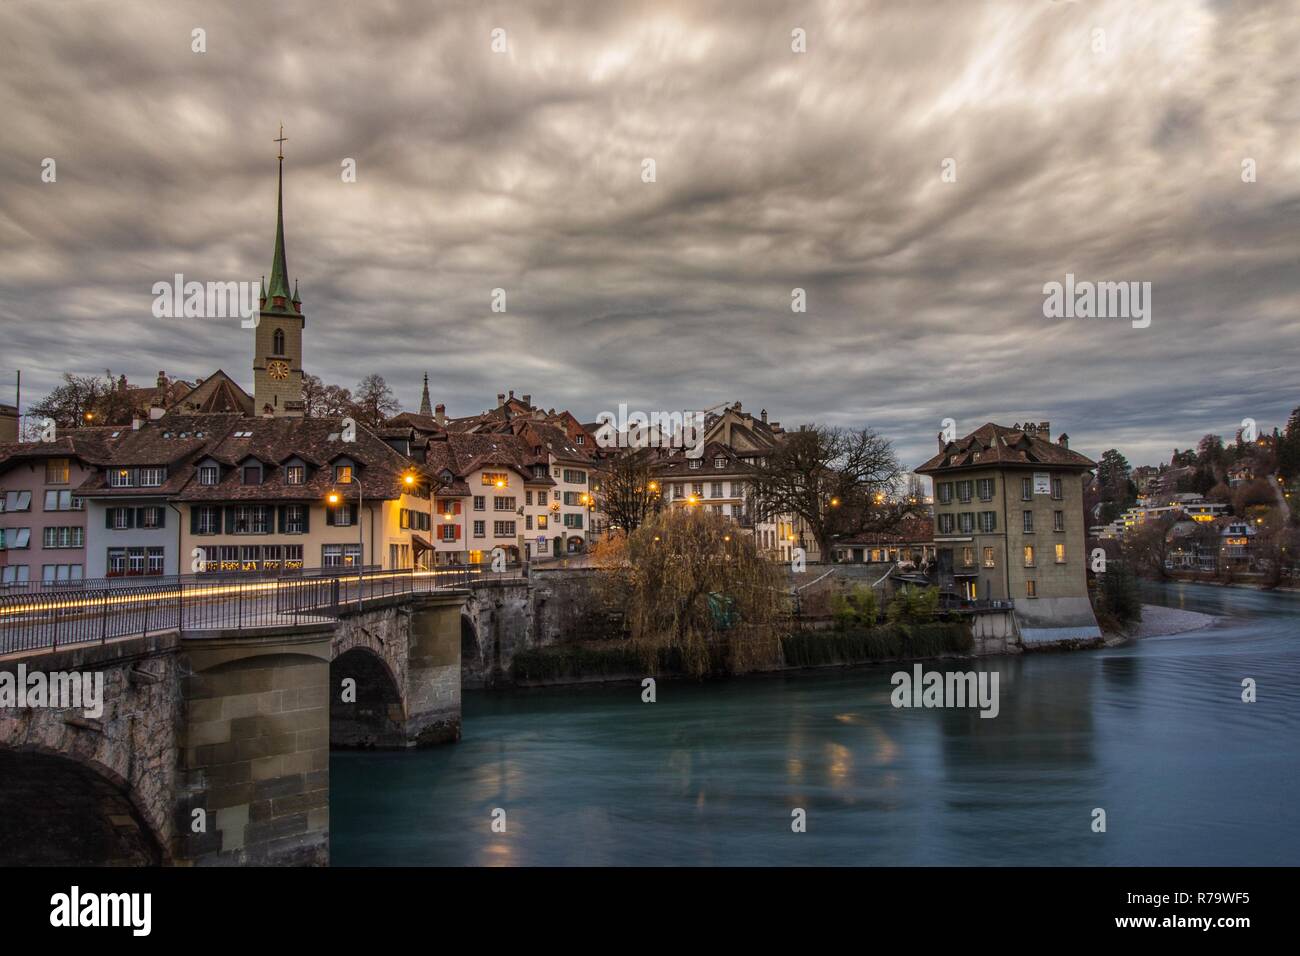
(42, 521)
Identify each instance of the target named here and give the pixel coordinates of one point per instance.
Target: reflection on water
(1155, 733)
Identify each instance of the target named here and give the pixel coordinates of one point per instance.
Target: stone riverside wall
(549, 606)
(565, 605)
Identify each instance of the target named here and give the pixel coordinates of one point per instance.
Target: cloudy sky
(1103, 139)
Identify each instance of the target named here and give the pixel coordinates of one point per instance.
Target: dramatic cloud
(1103, 139)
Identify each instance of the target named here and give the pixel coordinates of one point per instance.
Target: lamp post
(335, 498)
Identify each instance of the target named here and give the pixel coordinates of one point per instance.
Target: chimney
(512, 394)
(942, 446)
(528, 400)
(763, 415)
(440, 413)
(162, 379)
(501, 399)
(1064, 440)
(1045, 431)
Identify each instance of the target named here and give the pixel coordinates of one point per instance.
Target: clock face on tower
(278, 370)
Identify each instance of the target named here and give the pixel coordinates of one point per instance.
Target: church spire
(425, 407)
(279, 285)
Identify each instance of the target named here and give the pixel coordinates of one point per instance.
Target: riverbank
(615, 661)
(1245, 584)
(1160, 621)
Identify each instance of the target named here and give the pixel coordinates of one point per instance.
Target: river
(1155, 733)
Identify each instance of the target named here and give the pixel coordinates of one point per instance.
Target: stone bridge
(213, 746)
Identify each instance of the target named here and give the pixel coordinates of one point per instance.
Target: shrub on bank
(862, 645)
(576, 661)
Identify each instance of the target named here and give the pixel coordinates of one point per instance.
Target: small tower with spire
(425, 407)
(277, 341)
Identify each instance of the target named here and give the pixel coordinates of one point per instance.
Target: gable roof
(993, 445)
(216, 394)
(91, 446)
(462, 454)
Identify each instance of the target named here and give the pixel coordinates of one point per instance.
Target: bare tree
(1147, 545)
(629, 494)
(80, 400)
(836, 479)
(373, 402)
(325, 401)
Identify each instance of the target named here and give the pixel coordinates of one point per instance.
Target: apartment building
(1009, 523)
(718, 479)
(543, 465)
(503, 491)
(285, 493)
(42, 513)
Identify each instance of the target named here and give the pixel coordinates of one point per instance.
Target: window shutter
(457, 511)
(108, 517)
(133, 517)
(456, 536)
(229, 515)
(280, 518)
(162, 516)
(306, 518)
(194, 519)
(329, 516)
(353, 514)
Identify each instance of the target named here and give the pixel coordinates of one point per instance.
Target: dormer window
(295, 475)
(209, 474)
(252, 474)
(720, 462)
(343, 473)
(697, 462)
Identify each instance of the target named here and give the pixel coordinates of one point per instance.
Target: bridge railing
(52, 618)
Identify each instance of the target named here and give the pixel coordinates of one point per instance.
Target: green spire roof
(279, 285)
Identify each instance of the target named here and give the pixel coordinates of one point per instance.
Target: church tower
(277, 349)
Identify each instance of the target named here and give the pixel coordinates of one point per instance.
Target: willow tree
(694, 583)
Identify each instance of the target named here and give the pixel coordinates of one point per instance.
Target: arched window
(278, 342)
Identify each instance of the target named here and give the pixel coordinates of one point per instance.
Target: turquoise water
(1154, 733)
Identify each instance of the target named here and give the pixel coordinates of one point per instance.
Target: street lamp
(335, 498)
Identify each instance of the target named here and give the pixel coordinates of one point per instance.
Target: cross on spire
(282, 140)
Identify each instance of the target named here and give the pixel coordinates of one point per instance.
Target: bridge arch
(57, 809)
(375, 714)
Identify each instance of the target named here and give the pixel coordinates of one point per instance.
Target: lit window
(1029, 555)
